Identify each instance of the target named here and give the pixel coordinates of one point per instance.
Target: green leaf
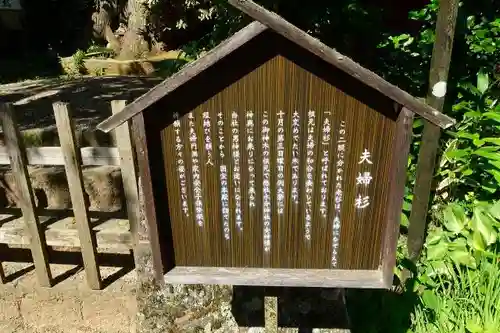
(473, 327)
(495, 173)
(466, 135)
(492, 115)
(434, 237)
(487, 153)
(430, 300)
(467, 172)
(483, 224)
(473, 114)
(404, 220)
(495, 141)
(496, 164)
(418, 123)
(457, 153)
(463, 257)
(495, 210)
(441, 267)
(437, 251)
(458, 244)
(482, 82)
(454, 217)
(490, 188)
(407, 205)
(478, 241)
(478, 142)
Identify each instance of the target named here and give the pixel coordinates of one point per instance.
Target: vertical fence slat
(124, 145)
(72, 160)
(15, 146)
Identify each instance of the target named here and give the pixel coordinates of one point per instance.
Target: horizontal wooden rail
(111, 234)
(55, 156)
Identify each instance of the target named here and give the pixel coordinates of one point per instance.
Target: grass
(466, 302)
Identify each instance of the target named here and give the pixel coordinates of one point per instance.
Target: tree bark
(134, 42)
(101, 19)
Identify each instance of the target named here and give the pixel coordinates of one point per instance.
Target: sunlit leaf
(407, 206)
(495, 210)
(495, 141)
(430, 300)
(487, 153)
(478, 142)
(404, 220)
(467, 135)
(490, 188)
(478, 241)
(496, 164)
(482, 82)
(473, 114)
(454, 218)
(463, 257)
(474, 327)
(418, 123)
(434, 237)
(467, 172)
(444, 183)
(495, 173)
(458, 153)
(437, 251)
(483, 224)
(492, 115)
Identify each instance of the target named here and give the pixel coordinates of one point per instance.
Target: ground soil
(89, 97)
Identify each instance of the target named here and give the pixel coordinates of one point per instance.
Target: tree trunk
(102, 18)
(134, 42)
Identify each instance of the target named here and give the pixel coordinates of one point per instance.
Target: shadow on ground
(125, 263)
(89, 98)
(64, 255)
(361, 311)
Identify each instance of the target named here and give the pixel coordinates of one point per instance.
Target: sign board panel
(274, 160)
(281, 169)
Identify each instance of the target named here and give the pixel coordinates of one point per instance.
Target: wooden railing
(86, 236)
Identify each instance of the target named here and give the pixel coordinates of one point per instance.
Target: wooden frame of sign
(274, 160)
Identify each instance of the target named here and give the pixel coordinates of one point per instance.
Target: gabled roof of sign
(265, 19)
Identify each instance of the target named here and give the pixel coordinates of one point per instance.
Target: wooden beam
(344, 63)
(73, 160)
(54, 156)
(24, 191)
(129, 176)
(277, 277)
(185, 74)
(440, 64)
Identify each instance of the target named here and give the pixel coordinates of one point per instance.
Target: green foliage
(79, 62)
(460, 238)
(457, 280)
(476, 46)
(467, 302)
(470, 167)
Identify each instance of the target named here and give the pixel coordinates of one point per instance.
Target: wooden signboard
(274, 160)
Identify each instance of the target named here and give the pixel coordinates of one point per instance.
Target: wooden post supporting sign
(438, 77)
